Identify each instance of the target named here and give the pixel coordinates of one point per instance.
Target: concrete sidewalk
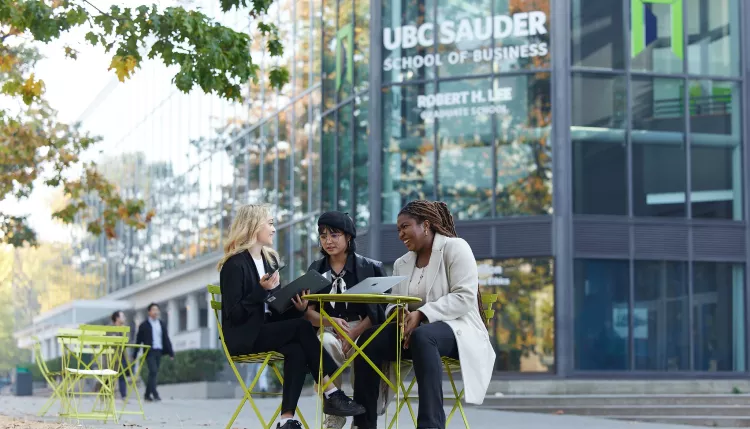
(200, 414)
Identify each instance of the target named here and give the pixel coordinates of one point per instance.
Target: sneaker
(290, 424)
(338, 404)
(334, 422)
(148, 399)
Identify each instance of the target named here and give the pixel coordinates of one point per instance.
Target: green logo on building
(638, 25)
(345, 35)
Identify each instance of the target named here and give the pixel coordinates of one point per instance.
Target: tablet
(376, 285)
(281, 300)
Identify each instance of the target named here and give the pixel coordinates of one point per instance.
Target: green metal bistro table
(397, 300)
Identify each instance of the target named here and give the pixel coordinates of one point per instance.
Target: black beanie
(338, 220)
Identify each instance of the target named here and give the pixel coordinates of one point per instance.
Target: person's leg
(428, 343)
(156, 373)
(294, 377)
(366, 380)
(122, 380)
(333, 346)
(152, 368)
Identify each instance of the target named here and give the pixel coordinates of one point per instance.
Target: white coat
(453, 282)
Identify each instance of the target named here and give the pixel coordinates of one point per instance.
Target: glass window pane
(316, 153)
(601, 314)
(465, 155)
(362, 161)
(719, 316)
(716, 149)
(254, 149)
(284, 154)
(524, 151)
(303, 45)
(600, 180)
(713, 28)
(408, 148)
(300, 260)
(316, 41)
(268, 136)
(522, 36)
(301, 158)
(464, 31)
(523, 328)
(598, 34)
(345, 154)
(329, 53)
(361, 45)
(343, 50)
(656, 42)
(286, 36)
(660, 316)
(659, 166)
(405, 56)
(328, 162)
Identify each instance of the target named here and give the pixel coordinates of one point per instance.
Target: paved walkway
(197, 414)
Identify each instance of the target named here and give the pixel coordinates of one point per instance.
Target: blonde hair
(244, 231)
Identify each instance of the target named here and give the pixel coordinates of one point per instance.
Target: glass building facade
(591, 152)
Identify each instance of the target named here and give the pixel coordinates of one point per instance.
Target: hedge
(188, 366)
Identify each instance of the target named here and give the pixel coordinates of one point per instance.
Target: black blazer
(146, 336)
(242, 298)
(364, 268)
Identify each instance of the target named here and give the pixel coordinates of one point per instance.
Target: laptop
(280, 299)
(376, 285)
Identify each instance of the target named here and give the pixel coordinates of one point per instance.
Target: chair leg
(406, 400)
(458, 396)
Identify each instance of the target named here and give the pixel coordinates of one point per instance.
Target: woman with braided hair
(442, 271)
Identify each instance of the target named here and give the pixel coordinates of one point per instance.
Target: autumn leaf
(123, 66)
(31, 89)
(7, 61)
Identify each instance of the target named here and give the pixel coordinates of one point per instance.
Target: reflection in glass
(713, 28)
(522, 331)
(661, 316)
(465, 153)
(254, 148)
(719, 316)
(268, 136)
(600, 184)
(302, 131)
(408, 148)
(361, 161)
(528, 45)
(524, 151)
(302, 45)
(598, 29)
(656, 37)
(405, 60)
(328, 162)
(601, 314)
(659, 166)
(716, 149)
(477, 37)
(300, 249)
(361, 45)
(344, 155)
(328, 53)
(284, 165)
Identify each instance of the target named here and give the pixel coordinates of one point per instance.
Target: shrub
(188, 366)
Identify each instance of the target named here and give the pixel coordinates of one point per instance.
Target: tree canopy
(36, 148)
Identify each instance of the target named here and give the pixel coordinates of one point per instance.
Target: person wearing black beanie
(345, 268)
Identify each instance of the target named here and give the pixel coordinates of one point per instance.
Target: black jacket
(243, 309)
(146, 336)
(364, 268)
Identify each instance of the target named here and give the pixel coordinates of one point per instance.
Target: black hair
(351, 248)
(115, 315)
(152, 305)
(436, 212)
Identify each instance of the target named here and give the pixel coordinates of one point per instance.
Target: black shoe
(290, 424)
(148, 399)
(338, 404)
(157, 398)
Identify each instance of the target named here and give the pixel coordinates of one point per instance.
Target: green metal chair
(272, 359)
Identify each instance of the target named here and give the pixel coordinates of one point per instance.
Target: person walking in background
(252, 371)
(153, 333)
(345, 268)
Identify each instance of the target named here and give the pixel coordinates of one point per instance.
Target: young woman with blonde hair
(250, 326)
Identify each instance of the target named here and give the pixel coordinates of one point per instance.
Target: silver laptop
(376, 285)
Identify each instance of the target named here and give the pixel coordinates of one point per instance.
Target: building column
(213, 332)
(173, 317)
(192, 308)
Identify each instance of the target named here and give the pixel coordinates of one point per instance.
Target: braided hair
(441, 222)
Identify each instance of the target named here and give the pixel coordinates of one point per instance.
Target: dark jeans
(428, 343)
(121, 380)
(297, 341)
(153, 360)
